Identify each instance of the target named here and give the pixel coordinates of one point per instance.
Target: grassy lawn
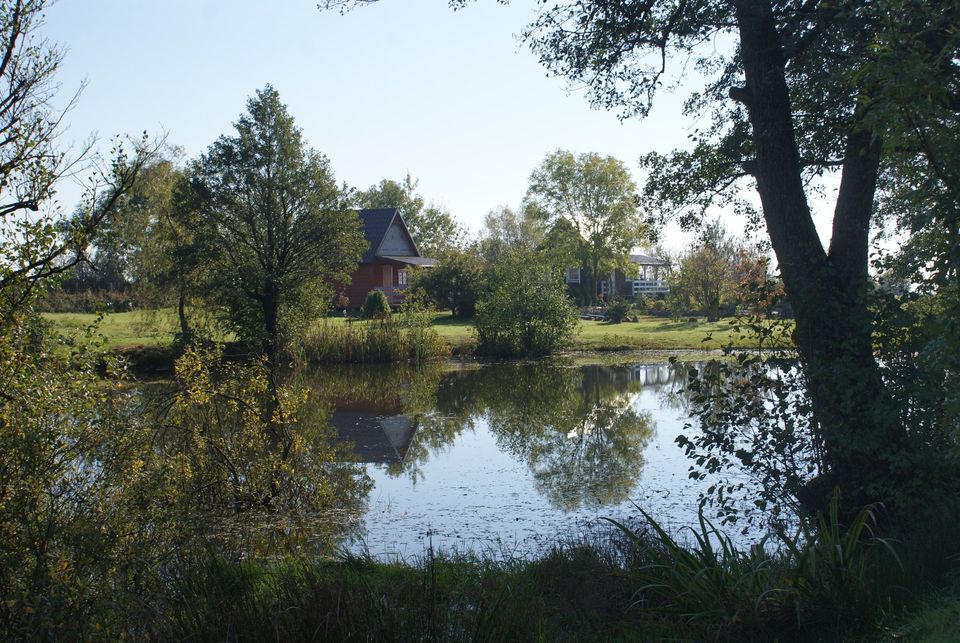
(139, 328)
(157, 327)
(649, 333)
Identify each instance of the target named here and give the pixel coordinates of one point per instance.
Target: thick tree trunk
(828, 292)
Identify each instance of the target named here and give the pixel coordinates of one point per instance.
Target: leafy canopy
(595, 196)
(280, 228)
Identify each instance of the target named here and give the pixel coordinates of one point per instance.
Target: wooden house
(649, 279)
(386, 263)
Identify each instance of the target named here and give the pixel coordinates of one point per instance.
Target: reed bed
(388, 340)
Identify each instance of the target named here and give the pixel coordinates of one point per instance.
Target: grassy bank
(834, 584)
(157, 328)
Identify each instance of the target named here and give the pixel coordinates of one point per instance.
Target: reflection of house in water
(377, 437)
(651, 374)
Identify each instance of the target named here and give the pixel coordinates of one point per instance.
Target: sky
(402, 85)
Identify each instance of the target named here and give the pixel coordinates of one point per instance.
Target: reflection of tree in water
(677, 394)
(398, 391)
(575, 427)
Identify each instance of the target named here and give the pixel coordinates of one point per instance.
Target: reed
(393, 339)
(829, 581)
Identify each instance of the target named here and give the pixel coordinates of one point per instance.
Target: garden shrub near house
(375, 306)
(526, 312)
(617, 311)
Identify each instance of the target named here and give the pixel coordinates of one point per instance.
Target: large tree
(37, 243)
(808, 87)
(280, 227)
(794, 89)
(506, 229)
(706, 275)
(160, 233)
(595, 195)
(431, 226)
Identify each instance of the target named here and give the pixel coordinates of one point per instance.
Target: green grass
(658, 333)
(139, 328)
(833, 582)
(649, 333)
(157, 328)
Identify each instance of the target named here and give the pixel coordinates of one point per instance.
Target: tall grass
(829, 581)
(572, 594)
(395, 339)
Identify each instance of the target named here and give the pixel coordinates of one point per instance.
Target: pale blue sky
(402, 84)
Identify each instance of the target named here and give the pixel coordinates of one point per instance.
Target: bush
(617, 311)
(375, 306)
(455, 284)
(658, 308)
(58, 300)
(527, 311)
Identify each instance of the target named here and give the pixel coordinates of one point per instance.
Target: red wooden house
(386, 263)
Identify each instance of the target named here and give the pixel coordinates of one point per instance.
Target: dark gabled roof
(376, 438)
(376, 222)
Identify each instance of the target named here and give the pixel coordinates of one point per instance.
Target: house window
(604, 287)
(403, 279)
(573, 275)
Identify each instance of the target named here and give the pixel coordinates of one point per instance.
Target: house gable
(387, 234)
(397, 242)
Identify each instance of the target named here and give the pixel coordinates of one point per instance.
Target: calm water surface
(507, 458)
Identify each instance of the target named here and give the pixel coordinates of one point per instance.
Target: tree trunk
(271, 332)
(182, 311)
(828, 292)
(713, 313)
(591, 288)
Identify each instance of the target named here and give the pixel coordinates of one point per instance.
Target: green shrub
(658, 308)
(455, 284)
(527, 311)
(375, 306)
(617, 311)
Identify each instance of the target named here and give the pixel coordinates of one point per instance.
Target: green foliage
(617, 311)
(572, 595)
(505, 230)
(375, 305)
(404, 336)
(272, 259)
(594, 196)
(249, 447)
(706, 277)
(85, 520)
(57, 300)
(457, 283)
(526, 311)
(753, 423)
(823, 579)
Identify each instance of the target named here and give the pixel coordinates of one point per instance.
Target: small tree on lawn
(526, 311)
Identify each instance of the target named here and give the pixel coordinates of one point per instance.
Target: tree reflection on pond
(577, 429)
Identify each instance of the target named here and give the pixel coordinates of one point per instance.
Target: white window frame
(403, 279)
(569, 276)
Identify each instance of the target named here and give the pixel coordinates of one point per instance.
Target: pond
(506, 459)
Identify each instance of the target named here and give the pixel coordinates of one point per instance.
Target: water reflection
(576, 429)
